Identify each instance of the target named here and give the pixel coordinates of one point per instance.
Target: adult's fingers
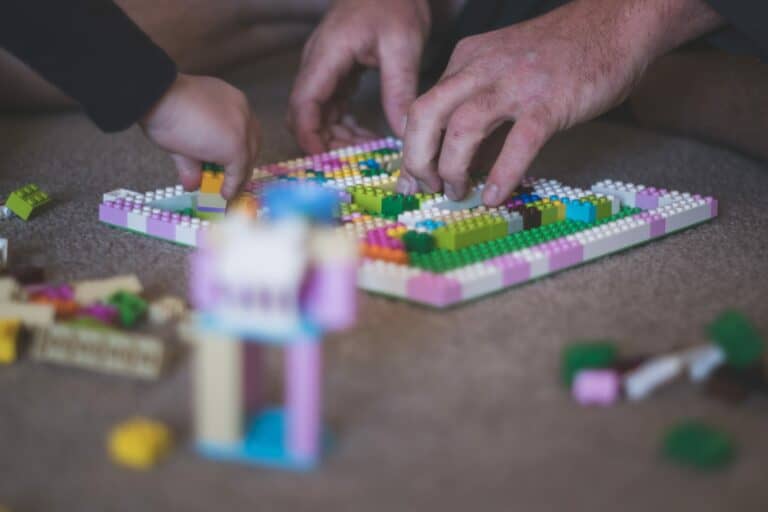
(521, 146)
(467, 127)
(426, 119)
(400, 59)
(189, 169)
(321, 73)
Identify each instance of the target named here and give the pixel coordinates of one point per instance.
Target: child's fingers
(189, 171)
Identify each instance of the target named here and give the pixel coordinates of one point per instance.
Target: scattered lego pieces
(698, 445)
(139, 443)
(166, 309)
(738, 338)
(10, 330)
(27, 201)
(88, 292)
(586, 356)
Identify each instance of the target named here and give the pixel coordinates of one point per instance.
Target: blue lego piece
(306, 199)
(582, 211)
(263, 444)
(305, 329)
(429, 224)
(528, 198)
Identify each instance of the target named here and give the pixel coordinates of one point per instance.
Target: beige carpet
(458, 410)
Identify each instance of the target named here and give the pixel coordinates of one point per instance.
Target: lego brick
(139, 443)
(642, 381)
(698, 445)
(596, 387)
(738, 338)
(9, 289)
(87, 292)
(31, 315)
(10, 330)
(586, 356)
(27, 201)
(101, 349)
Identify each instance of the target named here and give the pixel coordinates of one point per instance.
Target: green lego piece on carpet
(738, 338)
(27, 200)
(698, 445)
(583, 356)
(131, 308)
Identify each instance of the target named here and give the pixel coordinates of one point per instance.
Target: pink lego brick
(331, 295)
(303, 368)
(657, 223)
(596, 387)
(434, 289)
(562, 253)
(514, 269)
(161, 225)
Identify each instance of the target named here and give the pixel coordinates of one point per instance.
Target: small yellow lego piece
(139, 443)
(9, 337)
(211, 182)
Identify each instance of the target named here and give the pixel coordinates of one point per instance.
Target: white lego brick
(642, 381)
(702, 361)
(137, 220)
(122, 193)
(385, 277)
(30, 314)
(685, 213)
(477, 280)
(9, 290)
(92, 290)
(538, 260)
(186, 233)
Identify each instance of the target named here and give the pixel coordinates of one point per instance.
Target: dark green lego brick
(696, 444)
(582, 356)
(737, 336)
(392, 205)
(131, 308)
(419, 243)
(210, 166)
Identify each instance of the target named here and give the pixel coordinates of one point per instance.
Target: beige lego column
(218, 389)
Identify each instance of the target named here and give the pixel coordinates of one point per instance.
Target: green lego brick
(441, 260)
(735, 334)
(418, 242)
(468, 232)
(209, 166)
(369, 199)
(698, 445)
(392, 205)
(582, 356)
(131, 308)
(27, 201)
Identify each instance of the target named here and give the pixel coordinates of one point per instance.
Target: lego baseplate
(427, 249)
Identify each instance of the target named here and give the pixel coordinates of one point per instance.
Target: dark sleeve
(93, 52)
(749, 18)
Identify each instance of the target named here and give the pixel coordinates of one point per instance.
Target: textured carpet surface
(457, 410)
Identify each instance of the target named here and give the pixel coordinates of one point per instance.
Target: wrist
(151, 117)
(662, 25)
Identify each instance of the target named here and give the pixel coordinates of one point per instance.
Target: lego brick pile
(426, 248)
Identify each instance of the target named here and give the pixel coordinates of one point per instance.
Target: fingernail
(403, 124)
(491, 194)
(403, 185)
(450, 191)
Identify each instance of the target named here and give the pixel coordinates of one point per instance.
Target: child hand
(203, 119)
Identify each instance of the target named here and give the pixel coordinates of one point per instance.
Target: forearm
(93, 52)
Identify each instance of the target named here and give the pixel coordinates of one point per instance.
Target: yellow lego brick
(212, 182)
(139, 443)
(9, 337)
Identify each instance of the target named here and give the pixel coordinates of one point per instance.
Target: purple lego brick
(303, 402)
(102, 312)
(648, 198)
(380, 238)
(434, 289)
(161, 226)
(513, 269)
(596, 387)
(111, 213)
(562, 253)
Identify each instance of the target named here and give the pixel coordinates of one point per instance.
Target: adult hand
(203, 119)
(354, 35)
(546, 75)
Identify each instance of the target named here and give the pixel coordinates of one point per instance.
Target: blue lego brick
(263, 444)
